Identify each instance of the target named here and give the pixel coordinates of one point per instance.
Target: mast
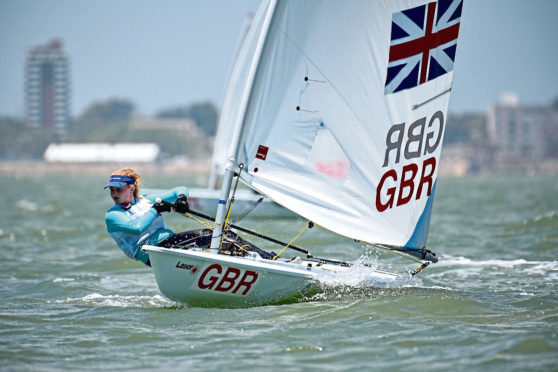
(230, 165)
(231, 99)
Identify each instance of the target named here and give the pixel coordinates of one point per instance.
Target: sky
(162, 54)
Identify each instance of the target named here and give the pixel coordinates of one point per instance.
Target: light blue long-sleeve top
(132, 227)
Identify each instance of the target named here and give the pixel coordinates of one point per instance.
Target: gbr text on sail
(399, 185)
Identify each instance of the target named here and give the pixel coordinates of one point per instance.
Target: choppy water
(70, 300)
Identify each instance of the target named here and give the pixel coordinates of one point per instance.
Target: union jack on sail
(423, 44)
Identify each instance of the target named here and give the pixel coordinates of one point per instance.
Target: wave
(547, 220)
(506, 264)
(466, 267)
(99, 300)
(27, 205)
(367, 292)
(549, 216)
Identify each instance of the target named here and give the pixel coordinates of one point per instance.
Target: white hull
(200, 278)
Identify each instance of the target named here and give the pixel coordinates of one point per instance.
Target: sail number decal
(420, 139)
(226, 280)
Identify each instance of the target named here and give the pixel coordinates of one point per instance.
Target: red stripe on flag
(424, 44)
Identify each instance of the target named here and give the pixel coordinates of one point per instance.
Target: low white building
(102, 153)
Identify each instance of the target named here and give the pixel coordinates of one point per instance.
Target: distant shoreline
(37, 168)
(448, 167)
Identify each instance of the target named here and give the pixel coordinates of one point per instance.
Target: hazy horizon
(162, 55)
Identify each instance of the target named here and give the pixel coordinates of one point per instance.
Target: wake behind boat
(340, 118)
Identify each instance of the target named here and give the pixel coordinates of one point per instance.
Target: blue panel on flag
(416, 15)
(397, 32)
(409, 81)
(423, 37)
(435, 69)
(450, 51)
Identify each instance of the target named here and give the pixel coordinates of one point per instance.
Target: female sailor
(135, 220)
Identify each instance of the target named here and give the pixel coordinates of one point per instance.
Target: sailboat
(206, 200)
(341, 120)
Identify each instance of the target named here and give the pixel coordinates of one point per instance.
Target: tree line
(108, 122)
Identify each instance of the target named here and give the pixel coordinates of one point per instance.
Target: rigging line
(308, 226)
(308, 254)
(225, 225)
(421, 267)
(247, 211)
(413, 252)
(395, 252)
(261, 236)
(203, 223)
(182, 244)
(241, 166)
(386, 249)
(191, 214)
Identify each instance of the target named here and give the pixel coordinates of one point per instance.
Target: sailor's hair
(129, 172)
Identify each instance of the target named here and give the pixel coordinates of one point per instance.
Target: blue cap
(120, 181)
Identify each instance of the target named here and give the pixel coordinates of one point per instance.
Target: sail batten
(344, 128)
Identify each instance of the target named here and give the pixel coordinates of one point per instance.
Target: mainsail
(235, 86)
(342, 114)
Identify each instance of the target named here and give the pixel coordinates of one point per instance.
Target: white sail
(344, 120)
(236, 84)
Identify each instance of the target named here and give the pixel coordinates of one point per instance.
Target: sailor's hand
(161, 207)
(181, 204)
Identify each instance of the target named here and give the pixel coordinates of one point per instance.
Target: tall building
(47, 87)
(521, 135)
